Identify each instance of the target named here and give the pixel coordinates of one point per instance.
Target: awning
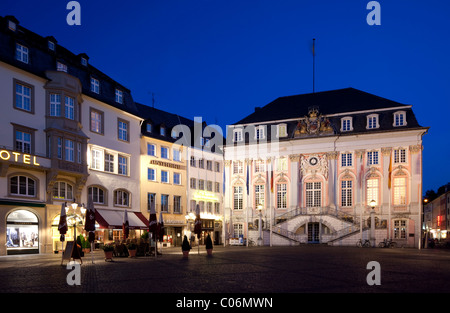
(113, 219)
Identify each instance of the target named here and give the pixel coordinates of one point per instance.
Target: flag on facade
(271, 177)
(224, 179)
(247, 182)
(62, 226)
(125, 225)
(361, 171)
(390, 171)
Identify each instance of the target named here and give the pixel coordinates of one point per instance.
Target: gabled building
(321, 166)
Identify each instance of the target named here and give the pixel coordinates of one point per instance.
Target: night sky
(220, 59)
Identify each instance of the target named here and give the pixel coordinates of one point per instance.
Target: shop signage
(206, 196)
(167, 164)
(18, 157)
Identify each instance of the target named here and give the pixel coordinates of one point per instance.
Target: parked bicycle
(387, 243)
(251, 243)
(365, 244)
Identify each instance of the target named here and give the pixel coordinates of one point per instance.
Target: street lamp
(74, 206)
(259, 207)
(372, 204)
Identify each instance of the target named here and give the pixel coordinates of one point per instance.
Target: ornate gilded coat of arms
(313, 124)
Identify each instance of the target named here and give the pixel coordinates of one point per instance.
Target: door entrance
(313, 233)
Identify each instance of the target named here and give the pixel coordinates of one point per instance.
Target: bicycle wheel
(381, 245)
(367, 244)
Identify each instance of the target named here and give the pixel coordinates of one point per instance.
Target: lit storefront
(22, 232)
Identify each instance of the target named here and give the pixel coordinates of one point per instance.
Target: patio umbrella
(62, 226)
(160, 227)
(125, 225)
(89, 224)
(198, 225)
(152, 224)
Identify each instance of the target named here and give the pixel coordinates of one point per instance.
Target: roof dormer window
(61, 67)
(282, 130)
(162, 130)
(372, 121)
(149, 127)
(12, 25)
(237, 135)
(84, 61)
(119, 96)
(346, 124)
(95, 85)
(399, 118)
(51, 45)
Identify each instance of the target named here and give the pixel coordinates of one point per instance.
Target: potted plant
(209, 245)
(185, 247)
(132, 247)
(108, 249)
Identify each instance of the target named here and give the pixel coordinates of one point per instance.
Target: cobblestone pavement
(297, 269)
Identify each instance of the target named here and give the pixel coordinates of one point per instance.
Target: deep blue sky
(219, 59)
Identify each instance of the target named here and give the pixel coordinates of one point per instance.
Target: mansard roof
(42, 59)
(328, 102)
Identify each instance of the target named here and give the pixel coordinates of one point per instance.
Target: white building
(316, 164)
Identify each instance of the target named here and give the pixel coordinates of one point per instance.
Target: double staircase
(352, 222)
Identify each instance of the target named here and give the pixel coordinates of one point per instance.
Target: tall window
(164, 176)
(238, 230)
(96, 121)
(97, 194)
(55, 104)
(346, 159)
(399, 229)
(151, 174)
(121, 198)
(164, 152)
(372, 190)
(123, 165)
(23, 186)
(176, 204)
(281, 196)
(372, 158)
(399, 190)
(193, 183)
(238, 168)
(69, 150)
(151, 201)
(237, 135)
(259, 166)
(400, 155)
(96, 163)
(23, 141)
(238, 198)
(109, 163)
(69, 108)
(164, 203)
(177, 178)
(123, 130)
(21, 53)
(23, 97)
(151, 149)
(346, 193)
(282, 164)
(176, 155)
(313, 194)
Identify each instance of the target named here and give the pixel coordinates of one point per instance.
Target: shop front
(22, 232)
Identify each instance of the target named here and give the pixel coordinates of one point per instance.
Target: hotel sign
(167, 164)
(206, 196)
(18, 157)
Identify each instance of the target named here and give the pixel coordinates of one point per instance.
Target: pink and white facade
(315, 176)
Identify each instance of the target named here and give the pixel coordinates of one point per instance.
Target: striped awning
(113, 219)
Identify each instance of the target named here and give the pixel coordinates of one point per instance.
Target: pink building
(314, 167)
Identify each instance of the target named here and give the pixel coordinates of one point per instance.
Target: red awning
(113, 219)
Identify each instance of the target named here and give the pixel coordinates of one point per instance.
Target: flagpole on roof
(314, 62)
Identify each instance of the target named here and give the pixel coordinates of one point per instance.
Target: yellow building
(163, 172)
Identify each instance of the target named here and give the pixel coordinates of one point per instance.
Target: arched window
(22, 186)
(62, 190)
(238, 198)
(98, 194)
(121, 198)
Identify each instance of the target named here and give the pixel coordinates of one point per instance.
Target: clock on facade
(313, 161)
